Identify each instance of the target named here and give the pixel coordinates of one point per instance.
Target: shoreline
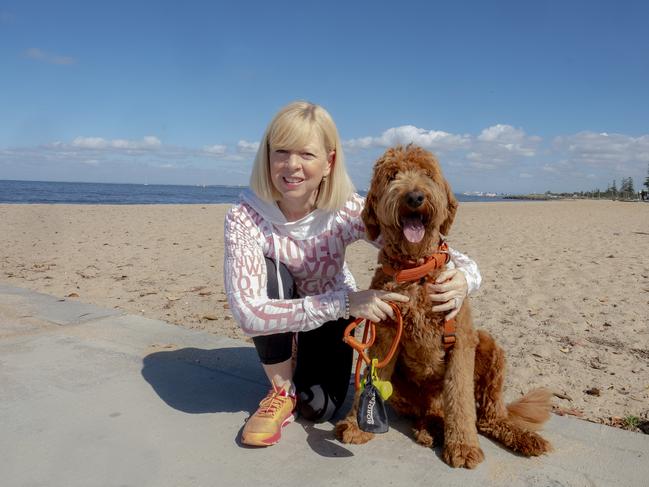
(565, 284)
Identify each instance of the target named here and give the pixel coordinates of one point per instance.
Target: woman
(285, 274)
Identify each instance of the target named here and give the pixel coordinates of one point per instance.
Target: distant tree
(626, 189)
(646, 181)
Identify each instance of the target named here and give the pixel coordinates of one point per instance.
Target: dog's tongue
(413, 229)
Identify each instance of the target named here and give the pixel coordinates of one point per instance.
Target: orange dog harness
(435, 261)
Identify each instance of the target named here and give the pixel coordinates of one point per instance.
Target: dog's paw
(423, 437)
(462, 455)
(347, 431)
(532, 445)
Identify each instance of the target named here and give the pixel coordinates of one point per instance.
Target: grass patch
(631, 422)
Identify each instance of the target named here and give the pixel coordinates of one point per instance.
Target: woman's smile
(292, 182)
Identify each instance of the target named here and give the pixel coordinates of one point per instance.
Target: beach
(565, 286)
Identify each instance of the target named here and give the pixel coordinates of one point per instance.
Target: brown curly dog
(450, 394)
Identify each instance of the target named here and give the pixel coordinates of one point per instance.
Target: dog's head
(409, 201)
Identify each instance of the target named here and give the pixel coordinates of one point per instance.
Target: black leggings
(324, 361)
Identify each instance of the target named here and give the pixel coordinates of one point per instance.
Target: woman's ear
(331, 160)
(451, 209)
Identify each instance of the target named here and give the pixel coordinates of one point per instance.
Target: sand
(565, 283)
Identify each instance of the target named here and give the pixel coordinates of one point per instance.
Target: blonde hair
(293, 127)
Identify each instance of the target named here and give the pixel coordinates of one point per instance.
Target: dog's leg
(347, 429)
(429, 431)
(422, 433)
(510, 425)
(461, 447)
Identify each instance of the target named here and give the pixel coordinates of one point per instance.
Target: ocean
(24, 192)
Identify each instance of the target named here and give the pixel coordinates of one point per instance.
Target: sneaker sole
(259, 439)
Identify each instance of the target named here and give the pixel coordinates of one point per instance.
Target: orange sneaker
(275, 411)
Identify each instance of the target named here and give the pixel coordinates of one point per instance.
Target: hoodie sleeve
(468, 267)
(244, 270)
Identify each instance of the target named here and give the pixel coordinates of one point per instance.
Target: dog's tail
(532, 410)
(516, 427)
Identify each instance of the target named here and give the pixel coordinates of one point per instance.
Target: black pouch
(372, 416)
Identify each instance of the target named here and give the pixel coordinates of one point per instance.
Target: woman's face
(297, 172)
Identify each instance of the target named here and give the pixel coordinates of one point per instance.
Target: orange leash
(360, 347)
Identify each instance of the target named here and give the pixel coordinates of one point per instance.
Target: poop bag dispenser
(372, 416)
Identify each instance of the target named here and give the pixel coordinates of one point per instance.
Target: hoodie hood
(314, 223)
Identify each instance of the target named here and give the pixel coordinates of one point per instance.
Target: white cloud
(147, 143)
(503, 144)
(215, 150)
(597, 149)
(246, 147)
(498, 158)
(87, 143)
(430, 139)
(495, 146)
(501, 133)
(41, 55)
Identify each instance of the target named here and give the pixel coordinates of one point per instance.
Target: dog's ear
(371, 221)
(368, 215)
(451, 209)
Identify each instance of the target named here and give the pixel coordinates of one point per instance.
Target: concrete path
(93, 397)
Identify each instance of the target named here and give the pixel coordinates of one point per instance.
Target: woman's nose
(293, 160)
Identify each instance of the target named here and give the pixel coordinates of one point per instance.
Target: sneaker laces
(273, 401)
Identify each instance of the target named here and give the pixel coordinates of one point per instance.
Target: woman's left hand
(450, 288)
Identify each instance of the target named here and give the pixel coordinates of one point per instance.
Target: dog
(451, 395)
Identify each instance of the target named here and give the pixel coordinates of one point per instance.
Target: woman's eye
(308, 155)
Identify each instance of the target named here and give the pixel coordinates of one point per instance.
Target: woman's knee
(315, 403)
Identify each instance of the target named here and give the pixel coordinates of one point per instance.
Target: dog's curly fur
(450, 397)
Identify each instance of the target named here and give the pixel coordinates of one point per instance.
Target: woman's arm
(246, 279)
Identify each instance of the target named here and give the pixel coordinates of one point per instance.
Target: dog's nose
(414, 199)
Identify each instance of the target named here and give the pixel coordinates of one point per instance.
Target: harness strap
(449, 334)
(435, 261)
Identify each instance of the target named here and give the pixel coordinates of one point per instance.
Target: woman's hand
(372, 304)
(450, 288)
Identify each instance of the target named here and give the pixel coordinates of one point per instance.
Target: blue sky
(512, 96)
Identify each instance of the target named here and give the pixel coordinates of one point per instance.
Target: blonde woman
(286, 278)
